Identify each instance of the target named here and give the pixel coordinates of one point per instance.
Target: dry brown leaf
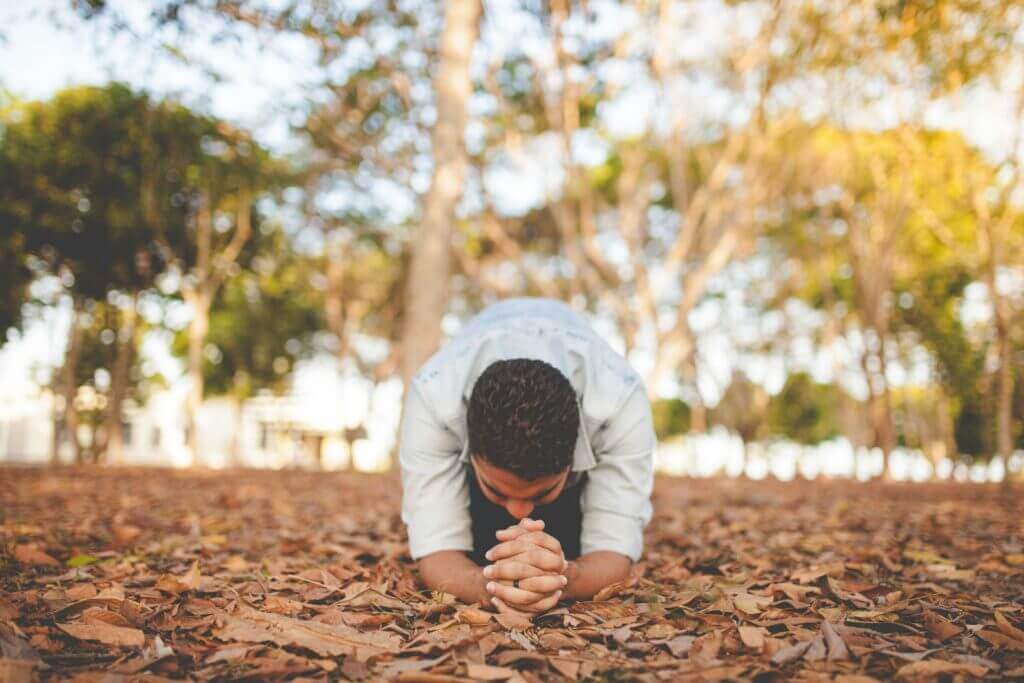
(837, 649)
(473, 616)
(98, 615)
(513, 621)
(485, 672)
(14, 645)
(790, 654)
(750, 604)
(559, 640)
(794, 592)
(363, 620)
(251, 626)
(279, 605)
(81, 592)
(752, 637)
(362, 595)
(935, 667)
(941, 628)
(817, 650)
(1008, 629)
(567, 667)
(174, 585)
(1000, 640)
(680, 645)
(704, 652)
(424, 677)
(107, 634)
(621, 635)
(17, 670)
(31, 555)
(812, 574)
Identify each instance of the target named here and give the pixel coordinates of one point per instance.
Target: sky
(46, 49)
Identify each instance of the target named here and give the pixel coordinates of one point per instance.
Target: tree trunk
(69, 385)
(334, 301)
(1004, 396)
(197, 330)
(427, 294)
(113, 448)
(883, 432)
(236, 437)
(887, 435)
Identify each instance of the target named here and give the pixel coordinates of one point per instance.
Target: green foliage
(92, 181)
(960, 362)
(102, 183)
(14, 280)
(671, 417)
(261, 324)
(804, 411)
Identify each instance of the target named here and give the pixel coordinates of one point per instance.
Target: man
(526, 453)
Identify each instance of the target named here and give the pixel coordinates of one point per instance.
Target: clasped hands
(527, 570)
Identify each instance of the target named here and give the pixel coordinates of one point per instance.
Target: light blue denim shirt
(615, 446)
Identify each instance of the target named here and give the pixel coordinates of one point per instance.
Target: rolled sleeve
(616, 499)
(435, 493)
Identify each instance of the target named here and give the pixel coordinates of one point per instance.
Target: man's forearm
(593, 571)
(453, 572)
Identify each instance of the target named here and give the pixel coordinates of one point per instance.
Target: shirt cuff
(613, 532)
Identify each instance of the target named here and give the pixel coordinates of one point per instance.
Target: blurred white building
(266, 431)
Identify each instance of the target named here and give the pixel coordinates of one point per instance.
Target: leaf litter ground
(130, 574)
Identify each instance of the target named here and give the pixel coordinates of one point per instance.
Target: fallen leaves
(513, 621)
(280, 575)
(180, 584)
(251, 626)
(942, 629)
(30, 555)
(118, 636)
(935, 667)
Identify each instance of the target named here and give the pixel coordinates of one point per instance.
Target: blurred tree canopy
(108, 191)
(804, 411)
(768, 171)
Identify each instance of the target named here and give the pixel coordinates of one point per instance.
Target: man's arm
(453, 572)
(593, 571)
(616, 498)
(435, 493)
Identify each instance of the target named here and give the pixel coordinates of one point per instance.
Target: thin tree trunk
(1004, 393)
(427, 294)
(69, 385)
(887, 438)
(197, 330)
(236, 437)
(334, 301)
(879, 414)
(113, 448)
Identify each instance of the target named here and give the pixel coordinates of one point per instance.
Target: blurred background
(230, 230)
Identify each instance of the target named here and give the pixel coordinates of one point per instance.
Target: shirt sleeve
(435, 493)
(616, 498)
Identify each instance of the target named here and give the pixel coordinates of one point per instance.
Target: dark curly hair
(523, 417)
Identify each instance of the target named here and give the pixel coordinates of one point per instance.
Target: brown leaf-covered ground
(123, 574)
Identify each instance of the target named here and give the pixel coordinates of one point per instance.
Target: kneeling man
(527, 453)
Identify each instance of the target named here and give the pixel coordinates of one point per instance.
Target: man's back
(541, 329)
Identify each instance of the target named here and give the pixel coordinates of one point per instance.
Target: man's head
(523, 423)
